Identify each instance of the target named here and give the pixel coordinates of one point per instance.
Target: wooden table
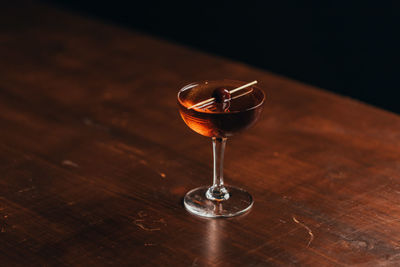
(95, 160)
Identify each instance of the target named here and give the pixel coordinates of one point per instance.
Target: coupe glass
(219, 120)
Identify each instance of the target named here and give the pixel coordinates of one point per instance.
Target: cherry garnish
(222, 97)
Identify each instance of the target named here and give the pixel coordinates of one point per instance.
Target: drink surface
(242, 111)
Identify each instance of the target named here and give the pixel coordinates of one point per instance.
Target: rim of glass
(193, 84)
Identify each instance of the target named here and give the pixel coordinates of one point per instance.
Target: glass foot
(197, 203)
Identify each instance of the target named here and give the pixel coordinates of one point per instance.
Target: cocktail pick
(210, 100)
(209, 104)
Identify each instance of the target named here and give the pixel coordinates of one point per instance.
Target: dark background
(348, 47)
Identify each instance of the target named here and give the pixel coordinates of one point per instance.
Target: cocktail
(219, 109)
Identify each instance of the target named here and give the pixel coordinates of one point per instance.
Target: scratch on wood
(142, 214)
(26, 189)
(149, 244)
(89, 122)
(130, 149)
(137, 222)
(69, 163)
(307, 228)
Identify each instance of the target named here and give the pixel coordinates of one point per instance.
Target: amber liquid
(244, 109)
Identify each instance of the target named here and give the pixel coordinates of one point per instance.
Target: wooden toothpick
(213, 98)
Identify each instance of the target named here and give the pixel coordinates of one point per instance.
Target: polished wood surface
(95, 160)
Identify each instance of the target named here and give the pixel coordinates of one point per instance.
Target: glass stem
(217, 191)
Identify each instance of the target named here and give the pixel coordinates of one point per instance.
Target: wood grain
(95, 160)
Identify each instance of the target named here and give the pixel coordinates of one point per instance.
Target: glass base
(197, 203)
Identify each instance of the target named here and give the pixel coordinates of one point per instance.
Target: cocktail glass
(220, 118)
